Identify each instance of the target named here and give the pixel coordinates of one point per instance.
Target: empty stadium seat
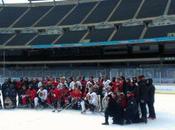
(53, 17)
(172, 7)
(9, 14)
(71, 37)
(126, 10)
(44, 39)
(21, 39)
(99, 35)
(70, 14)
(128, 33)
(32, 16)
(160, 31)
(4, 38)
(97, 16)
(152, 8)
(83, 12)
(78, 14)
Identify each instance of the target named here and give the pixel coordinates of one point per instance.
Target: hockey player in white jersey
(41, 98)
(62, 83)
(89, 102)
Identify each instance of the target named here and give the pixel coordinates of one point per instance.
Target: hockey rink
(25, 119)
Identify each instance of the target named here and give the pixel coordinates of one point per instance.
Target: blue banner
(107, 43)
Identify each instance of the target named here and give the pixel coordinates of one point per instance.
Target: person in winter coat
(143, 97)
(150, 101)
(136, 89)
(131, 111)
(113, 109)
(129, 86)
(9, 92)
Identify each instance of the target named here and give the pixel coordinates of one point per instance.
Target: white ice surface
(23, 119)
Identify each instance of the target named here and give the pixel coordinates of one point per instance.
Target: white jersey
(93, 98)
(106, 84)
(42, 94)
(60, 85)
(88, 83)
(72, 85)
(79, 84)
(39, 84)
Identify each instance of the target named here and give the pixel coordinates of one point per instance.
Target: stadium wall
(163, 77)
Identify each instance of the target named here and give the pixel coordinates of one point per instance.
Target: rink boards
(165, 88)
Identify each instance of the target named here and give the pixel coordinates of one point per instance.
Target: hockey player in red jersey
(31, 93)
(55, 97)
(76, 95)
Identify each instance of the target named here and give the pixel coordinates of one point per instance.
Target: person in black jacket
(124, 84)
(136, 89)
(113, 109)
(150, 101)
(131, 110)
(143, 97)
(9, 93)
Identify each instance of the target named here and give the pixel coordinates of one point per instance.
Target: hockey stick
(50, 106)
(67, 106)
(95, 111)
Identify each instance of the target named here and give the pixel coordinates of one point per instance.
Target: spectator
(150, 101)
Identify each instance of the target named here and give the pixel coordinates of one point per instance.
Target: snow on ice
(27, 119)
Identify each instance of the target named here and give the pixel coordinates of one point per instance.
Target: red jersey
(56, 93)
(31, 93)
(55, 83)
(120, 86)
(122, 100)
(76, 94)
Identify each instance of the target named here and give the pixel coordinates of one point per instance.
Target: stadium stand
(71, 37)
(69, 14)
(4, 38)
(108, 5)
(20, 39)
(99, 35)
(92, 32)
(171, 8)
(152, 8)
(9, 14)
(44, 39)
(53, 17)
(126, 10)
(32, 16)
(160, 31)
(78, 14)
(128, 32)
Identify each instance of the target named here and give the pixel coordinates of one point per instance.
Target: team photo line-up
(126, 100)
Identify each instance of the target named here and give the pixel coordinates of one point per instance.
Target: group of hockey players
(125, 100)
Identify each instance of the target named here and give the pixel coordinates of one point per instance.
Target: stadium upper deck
(86, 21)
(94, 29)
